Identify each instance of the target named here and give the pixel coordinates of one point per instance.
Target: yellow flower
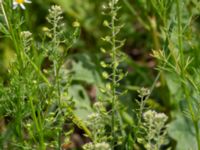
(20, 3)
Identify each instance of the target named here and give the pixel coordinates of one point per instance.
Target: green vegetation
(99, 75)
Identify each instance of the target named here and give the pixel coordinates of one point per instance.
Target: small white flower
(20, 3)
(93, 116)
(102, 146)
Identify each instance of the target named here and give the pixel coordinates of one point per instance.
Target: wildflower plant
(34, 98)
(117, 74)
(155, 130)
(54, 98)
(174, 61)
(97, 122)
(20, 3)
(26, 37)
(144, 93)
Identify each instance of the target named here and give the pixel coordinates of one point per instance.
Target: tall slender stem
(179, 31)
(187, 96)
(57, 68)
(37, 125)
(114, 67)
(4, 14)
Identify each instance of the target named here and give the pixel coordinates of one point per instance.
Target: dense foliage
(99, 74)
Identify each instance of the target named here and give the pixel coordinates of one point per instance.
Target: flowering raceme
(20, 3)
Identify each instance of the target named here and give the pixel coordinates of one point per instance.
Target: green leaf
(85, 70)
(181, 130)
(82, 101)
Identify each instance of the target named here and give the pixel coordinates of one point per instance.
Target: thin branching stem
(183, 73)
